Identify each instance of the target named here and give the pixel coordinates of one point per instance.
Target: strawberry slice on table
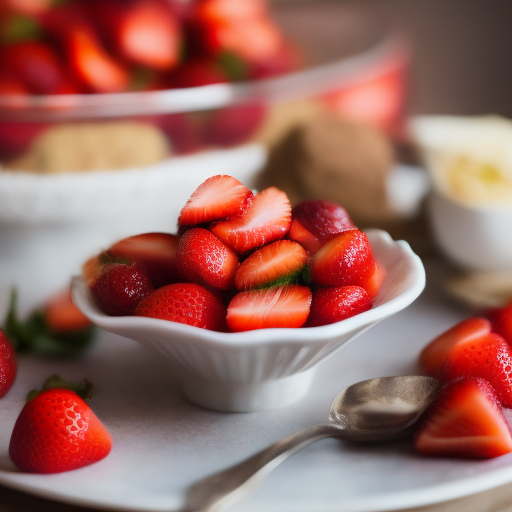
(218, 197)
(347, 259)
(268, 218)
(8, 364)
(465, 420)
(317, 221)
(434, 354)
(204, 259)
(501, 321)
(333, 304)
(57, 431)
(120, 287)
(488, 357)
(273, 265)
(155, 251)
(186, 303)
(282, 306)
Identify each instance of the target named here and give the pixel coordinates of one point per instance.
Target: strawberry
(15, 138)
(156, 252)
(218, 197)
(196, 73)
(91, 270)
(330, 305)
(145, 32)
(347, 259)
(29, 7)
(186, 303)
(35, 64)
(225, 11)
(230, 126)
(285, 60)
(8, 364)
(57, 431)
(434, 354)
(283, 306)
(202, 258)
(501, 321)
(181, 132)
(273, 265)
(62, 315)
(268, 218)
(12, 85)
(316, 222)
(488, 357)
(374, 283)
(120, 287)
(465, 420)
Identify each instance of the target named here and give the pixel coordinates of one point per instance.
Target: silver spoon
(373, 410)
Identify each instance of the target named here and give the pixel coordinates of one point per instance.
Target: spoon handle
(222, 490)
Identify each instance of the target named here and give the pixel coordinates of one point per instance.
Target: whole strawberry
(121, 287)
(8, 364)
(57, 431)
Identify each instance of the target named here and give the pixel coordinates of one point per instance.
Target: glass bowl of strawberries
(248, 296)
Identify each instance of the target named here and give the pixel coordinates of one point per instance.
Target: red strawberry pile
(242, 261)
(99, 46)
(473, 360)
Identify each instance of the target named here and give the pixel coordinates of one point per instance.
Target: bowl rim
(82, 297)
(388, 53)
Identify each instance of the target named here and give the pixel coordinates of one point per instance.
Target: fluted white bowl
(264, 368)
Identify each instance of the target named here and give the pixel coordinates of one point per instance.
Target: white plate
(163, 444)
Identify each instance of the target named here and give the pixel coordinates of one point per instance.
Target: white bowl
(50, 224)
(265, 368)
(469, 161)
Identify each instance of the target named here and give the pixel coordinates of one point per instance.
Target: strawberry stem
(82, 388)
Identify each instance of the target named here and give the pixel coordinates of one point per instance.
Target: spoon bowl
(373, 410)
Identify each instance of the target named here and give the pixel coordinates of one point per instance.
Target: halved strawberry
(186, 303)
(218, 197)
(268, 218)
(273, 265)
(62, 315)
(283, 306)
(501, 321)
(204, 259)
(347, 259)
(146, 32)
(317, 221)
(155, 251)
(466, 421)
(434, 354)
(334, 304)
(374, 283)
(488, 357)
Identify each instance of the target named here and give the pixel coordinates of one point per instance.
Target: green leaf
(20, 28)
(233, 66)
(82, 388)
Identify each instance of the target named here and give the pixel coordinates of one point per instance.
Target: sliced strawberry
(186, 303)
(218, 197)
(434, 354)
(35, 64)
(283, 306)
(333, 304)
(488, 357)
(374, 283)
(62, 315)
(223, 11)
(120, 287)
(196, 73)
(501, 321)
(204, 259)
(155, 251)
(465, 420)
(345, 260)
(268, 218)
(148, 33)
(273, 265)
(92, 65)
(317, 221)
